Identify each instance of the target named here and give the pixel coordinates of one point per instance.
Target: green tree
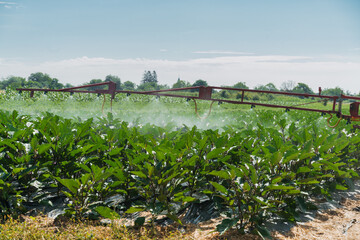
(114, 79)
(13, 82)
(154, 76)
(267, 87)
(149, 86)
(163, 86)
(43, 80)
(181, 84)
(128, 85)
(199, 83)
(241, 85)
(149, 77)
(302, 88)
(332, 91)
(224, 94)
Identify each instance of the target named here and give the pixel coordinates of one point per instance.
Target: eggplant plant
(262, 166)
(86, 191)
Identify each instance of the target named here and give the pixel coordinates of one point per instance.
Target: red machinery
(205, 93)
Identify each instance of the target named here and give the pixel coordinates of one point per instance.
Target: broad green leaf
(44, 147)
(340, 187)
(303, 170)
(276, 180)
(139, 174)
(293, 192)
(280, 187)
(107, 212)
(216, 153)
(222, 174)
(188, 199)
(203, 143)
(225, 225)
(308, 181)
(341, 145)
(9, 144)
(115, 151)
(219, 187)
(17, 170)
(263, 232)
(246, 187)
(135, 209)
(70, 184)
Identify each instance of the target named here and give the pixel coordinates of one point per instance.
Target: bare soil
(340, 223)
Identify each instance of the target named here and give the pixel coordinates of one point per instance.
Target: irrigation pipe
(196, 110)
(334, 126)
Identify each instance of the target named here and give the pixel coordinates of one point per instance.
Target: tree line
(150, 82)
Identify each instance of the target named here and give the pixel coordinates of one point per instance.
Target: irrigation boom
(205, 93)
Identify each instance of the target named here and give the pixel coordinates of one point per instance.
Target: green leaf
(85, 178)
(293, 192)
(263, 232)
(340, 146)
(106, 212)
(340, 187)
(215, 153)
(303, 170)
(188, 199)
(259, 200)
(222, 174)
(219, 187)
(308, 181)
(115, 151)
(203, 142)
(253, 174)
(71, 184)
(282, 123)
(135, 209)
(174, 218)
(246, 187)
(17, 170)
(44, 148)
(9, 144)
(225, 225)
(86, 168)
(139, 174)
(276, 180)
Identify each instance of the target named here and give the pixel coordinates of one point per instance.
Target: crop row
(10, 95)
(106, 167)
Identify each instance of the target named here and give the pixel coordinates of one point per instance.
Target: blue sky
(312, 41)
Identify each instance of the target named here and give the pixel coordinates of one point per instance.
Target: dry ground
(341, 223)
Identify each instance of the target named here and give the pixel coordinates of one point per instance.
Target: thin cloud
(228, 70)
(223, 52)
(8, 5)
